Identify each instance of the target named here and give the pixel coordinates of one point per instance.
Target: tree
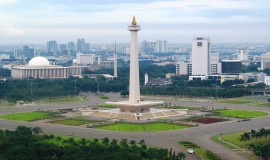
(105, 141)
(22, 130)
(37, 130)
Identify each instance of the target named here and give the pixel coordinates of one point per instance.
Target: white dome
(75, 61)
(39, 61)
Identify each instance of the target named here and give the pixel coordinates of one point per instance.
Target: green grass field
(184, 107)
(28, 116)
(237, 101)
(142, 127)
(241, 113)
(5, 104)
(102, 96)
(201, 152)
(234, 139)
(72, 122)
(61, 100)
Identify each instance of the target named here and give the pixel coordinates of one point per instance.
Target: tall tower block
(115, 62)
(134, 83)
(200, 56)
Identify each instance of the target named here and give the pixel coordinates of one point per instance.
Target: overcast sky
(105, 21)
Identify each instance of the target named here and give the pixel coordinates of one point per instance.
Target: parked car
(190, 151)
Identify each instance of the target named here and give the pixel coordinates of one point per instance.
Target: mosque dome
(39, 61)
(75, 61)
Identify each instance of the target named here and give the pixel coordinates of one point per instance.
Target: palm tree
(124, 142)
(132, 143)
(96, 140)
(181, 156)
(105, 141)
(114, 142)
(263, 133)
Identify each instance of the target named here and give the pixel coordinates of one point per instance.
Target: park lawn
(62, 100)
(215, 139)
(241, 113)
(184, 107)
(142, 127)
(201, 152)
(102, 96)
(28, 116)
(234, 138)
(237, 101)
(266, 104)
(5, 104)
(72, 122)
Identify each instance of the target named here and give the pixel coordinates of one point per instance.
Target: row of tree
(32, 89)
(195, 92)
(22, 144)
(259, 141)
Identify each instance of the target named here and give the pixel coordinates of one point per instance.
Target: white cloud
(7, 1)
(8, 29)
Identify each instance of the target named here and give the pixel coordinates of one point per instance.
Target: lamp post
(31, 89)
(75, 86)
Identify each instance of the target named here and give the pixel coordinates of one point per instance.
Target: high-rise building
(145, 47)
(52, 47)
(200, 56)
(231, 66)
(63, 49)
(161, 46)
(81, 45)
(87, 47)
(85, 59)
(71, 49)
(243, 56)
(28, 51)
(265, 61)
(154, 47)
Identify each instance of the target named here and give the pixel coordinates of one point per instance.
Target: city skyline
(177, 21)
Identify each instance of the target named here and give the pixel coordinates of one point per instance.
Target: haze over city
(177, 21)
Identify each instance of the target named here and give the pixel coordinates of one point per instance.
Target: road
(165, 139)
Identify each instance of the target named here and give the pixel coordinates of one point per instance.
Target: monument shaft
(134, 82)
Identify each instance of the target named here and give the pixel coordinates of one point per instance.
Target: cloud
(8, 29)
(7, 1)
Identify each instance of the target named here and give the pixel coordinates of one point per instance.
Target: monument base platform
(143, 106)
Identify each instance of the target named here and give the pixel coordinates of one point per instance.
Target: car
(190, 151)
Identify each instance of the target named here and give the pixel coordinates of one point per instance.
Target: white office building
(265, 60)
(85, 59)
(200, 56)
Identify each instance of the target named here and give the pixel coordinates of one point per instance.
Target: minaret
(115, 62)
(134, 83)
(145, 78)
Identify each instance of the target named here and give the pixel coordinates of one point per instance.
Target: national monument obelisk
(134, 104)
(134, 82)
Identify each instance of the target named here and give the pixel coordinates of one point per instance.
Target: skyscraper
(71, 49)
(28, 51)
(200, 56)
(87, 47)
(52, 47)
(81, 45)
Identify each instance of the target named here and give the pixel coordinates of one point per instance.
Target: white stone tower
(115, 62)
(145, 78)
(134, 83)
(134, 104)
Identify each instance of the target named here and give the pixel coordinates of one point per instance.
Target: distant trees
(195, 92)
(259, 141)
(21, 144)
(5, 72)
